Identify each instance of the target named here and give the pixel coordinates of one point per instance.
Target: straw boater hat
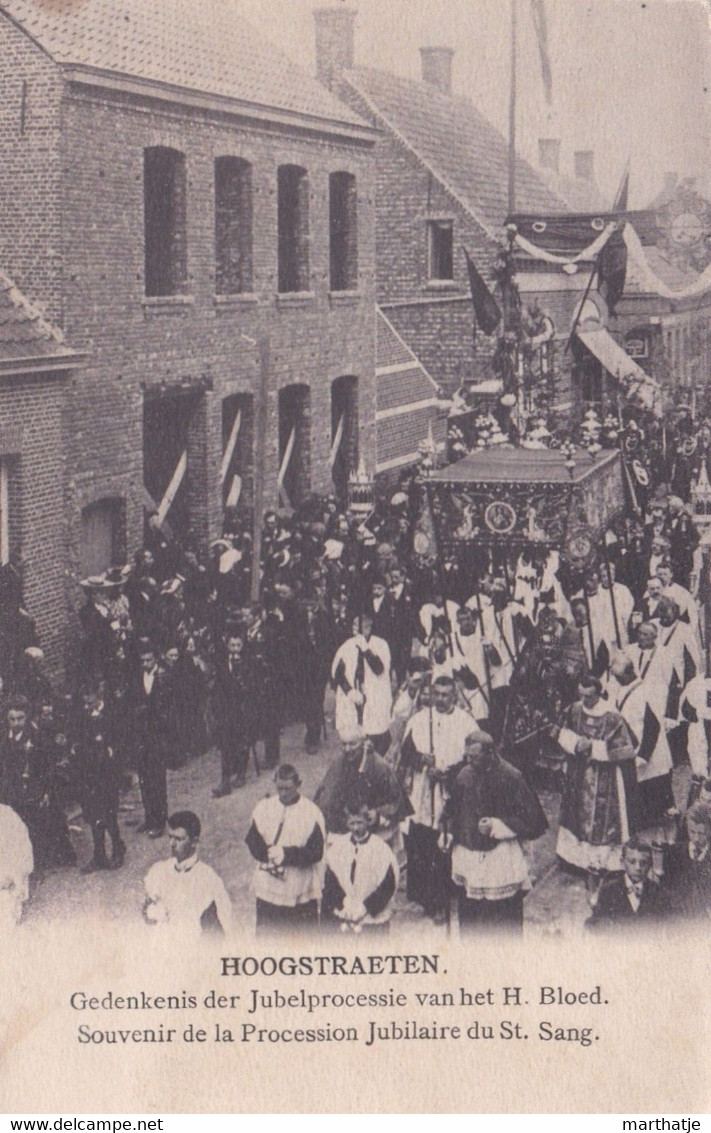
(115, 577)
(93, 582)
(172, 585)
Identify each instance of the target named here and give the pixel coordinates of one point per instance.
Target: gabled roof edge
(377, 112)
(401, 340)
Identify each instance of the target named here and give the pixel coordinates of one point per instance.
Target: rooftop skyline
(630, 78)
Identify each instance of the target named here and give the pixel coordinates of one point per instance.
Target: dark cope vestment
(492, 867)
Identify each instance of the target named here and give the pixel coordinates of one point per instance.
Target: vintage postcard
(355, 530)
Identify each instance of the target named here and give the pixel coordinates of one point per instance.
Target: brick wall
(434, 318)
(399, 437)
(74, 240)
(314, 338)
(32, 444)
(30, 169)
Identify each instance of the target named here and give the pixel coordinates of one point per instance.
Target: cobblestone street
(557, 904)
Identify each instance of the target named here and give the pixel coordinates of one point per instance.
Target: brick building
(198, 216)
(666, 331)
(660, 325)
(410, 407)
(442, 172)
(36, 368)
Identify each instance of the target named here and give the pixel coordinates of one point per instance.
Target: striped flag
(425, 537)
(540, 22)
(620, 203)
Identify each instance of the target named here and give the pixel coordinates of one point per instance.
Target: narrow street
(557, 905)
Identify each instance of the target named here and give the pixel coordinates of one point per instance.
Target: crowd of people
(463, 697)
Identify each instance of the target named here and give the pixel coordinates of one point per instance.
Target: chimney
(437, 67)
(584, 164)
(335, 42)
(549, 154)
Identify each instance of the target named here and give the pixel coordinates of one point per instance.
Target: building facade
(198, 217)
(36, 372)
(442, 173)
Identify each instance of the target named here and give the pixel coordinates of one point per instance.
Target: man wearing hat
(490, 811)
(31, 680)
(98, 768)
(402, 621)
(95, 618)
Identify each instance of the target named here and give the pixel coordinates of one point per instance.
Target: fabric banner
(637, 383)
(524, 512)
(172, 489)
(647, 278)
(336, 442)
(425, 539)
(230, 448)
(540, 22)
(589, 253)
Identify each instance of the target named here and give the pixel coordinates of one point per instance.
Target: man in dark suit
(317, 644)
(688, 872)
(27, 785)
(149, 702)
(380, 608)
(402, 616)
(98, 769)
(232, 705)
(98, 638)
(632, 897)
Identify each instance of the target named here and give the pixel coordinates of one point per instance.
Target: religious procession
(354, 541)
(478, 697)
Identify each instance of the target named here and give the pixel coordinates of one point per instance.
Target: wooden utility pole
(260, 455)
(512, 111)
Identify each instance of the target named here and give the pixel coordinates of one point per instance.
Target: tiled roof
(24, 333)
(580, 195)
(202, 46)
(674, 274)
(408, 383)
(456, 142)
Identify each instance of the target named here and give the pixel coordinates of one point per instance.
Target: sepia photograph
(355, 551)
